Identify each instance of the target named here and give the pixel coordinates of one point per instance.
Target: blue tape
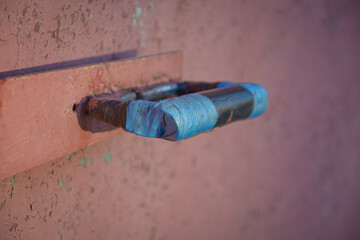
(227, 84)
(259, 93)
(173, 119)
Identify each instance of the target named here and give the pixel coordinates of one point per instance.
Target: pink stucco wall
(291, 174)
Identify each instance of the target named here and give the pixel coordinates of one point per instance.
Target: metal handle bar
(153, 111)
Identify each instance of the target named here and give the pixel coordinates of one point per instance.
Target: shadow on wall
(72, 63)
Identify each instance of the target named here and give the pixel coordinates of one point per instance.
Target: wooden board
(37, 123)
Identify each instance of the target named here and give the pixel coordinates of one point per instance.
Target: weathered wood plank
(37, 123)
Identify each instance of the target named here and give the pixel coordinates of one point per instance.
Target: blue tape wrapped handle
(189, 115)
(172, 119)
(185, 116)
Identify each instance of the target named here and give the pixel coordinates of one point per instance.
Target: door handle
(176, 111)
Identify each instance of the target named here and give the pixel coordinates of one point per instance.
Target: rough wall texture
(290, 174)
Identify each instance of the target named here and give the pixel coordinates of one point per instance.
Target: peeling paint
(108, 70)
(107, 157)
(2, 205)
(91, 66)
(12, 181)
(62, 184)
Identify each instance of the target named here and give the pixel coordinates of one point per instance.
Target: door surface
(292, 173)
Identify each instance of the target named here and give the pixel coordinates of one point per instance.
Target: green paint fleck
(69, 189)
(107, 69)
(89, 161)
(152, 6)
(90, 15)
(88, 147)
(62, 184)
(109, 89)
(138, 11)
(82, 162)
(12, 181)
(158, 76)
(107, 157)
(2, 183)
(69, 156)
